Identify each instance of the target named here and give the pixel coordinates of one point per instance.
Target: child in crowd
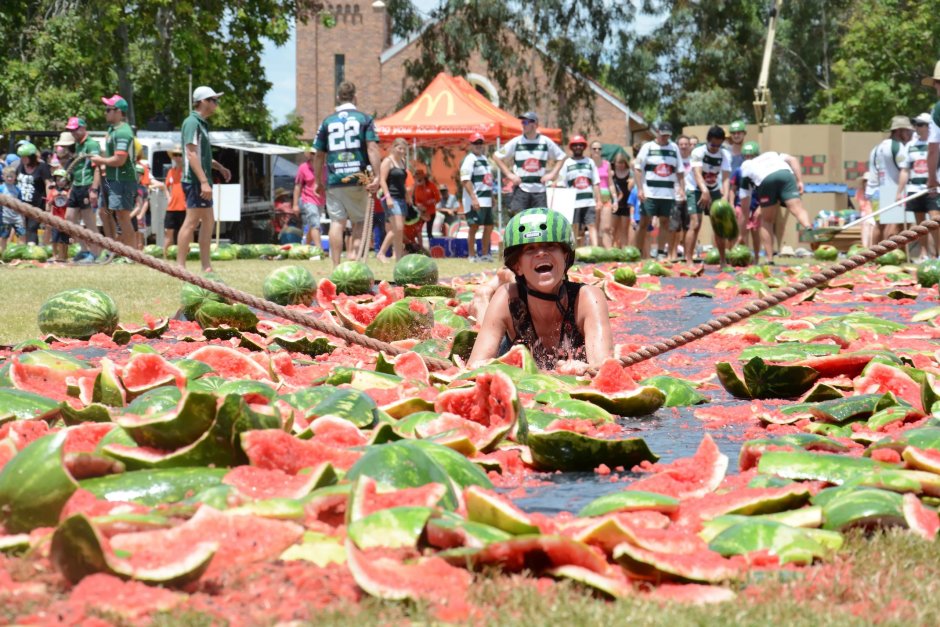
(140, 216)
(563, 324)
(10, 221)
(56, 203)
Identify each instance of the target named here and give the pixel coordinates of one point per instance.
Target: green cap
(139, 168)
(739, 126)
(750, 149)
(537, 226)
(60, 172)
(26, 149)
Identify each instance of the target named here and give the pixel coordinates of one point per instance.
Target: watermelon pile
(196, 466)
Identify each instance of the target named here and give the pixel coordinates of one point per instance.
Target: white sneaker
(488, 258)
(473, 259)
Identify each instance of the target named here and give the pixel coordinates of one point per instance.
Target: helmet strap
(525, 292)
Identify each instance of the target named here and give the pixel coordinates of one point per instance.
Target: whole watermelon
(712, 257)
(894, 258)
(14, 251)
(928, 273)
(415, 270)
(171, 251)
(740, 255)
(192, 297)
(299, 252)
(631, 253)
(267, 250)
(855, 249)
(826, 253)
(247, 251)
(32, 252)
(290, 285)
(154, 250)
(724, 222)
(78, 313)
(625, 276)
(223, 253)
(584, 253)
(352, 277)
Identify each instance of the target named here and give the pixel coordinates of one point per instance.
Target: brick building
(359, 49)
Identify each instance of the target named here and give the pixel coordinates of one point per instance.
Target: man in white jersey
(679, 218)
(776, 179)
(711, 172)
(913, 178)
(477, 181)
(580, 173)
(529, 154)
(884, 162)
(659, 180)
(933, 137)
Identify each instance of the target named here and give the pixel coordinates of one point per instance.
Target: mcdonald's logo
(431, 104)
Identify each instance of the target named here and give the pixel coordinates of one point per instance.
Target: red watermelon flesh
(880, 378)
(230, 363)
(391, 293)
(369, 499)
(452, 427)
(411, 366)
(921, 520)
(23, 432)
(132, 601)
(84, 438)
(149, 370)
(335, 431)
(848, 364)
(326, 512)
(691, 593)
(84, 502)
(43, 380)
(491, 402)
(242, 539)
(260, 483)
(612, 378)
(362, 314)
(277, 450)
(746, 501)
(624, 296)
(540, 553)
(326, 292)
(689, 477)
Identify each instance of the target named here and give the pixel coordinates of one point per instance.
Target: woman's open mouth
(544, 267)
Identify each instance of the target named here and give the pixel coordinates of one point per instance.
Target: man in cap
(933, 136)
(34, 178)
(309, 202)
(197, 176)
(885, 162)
(737, 133)
(580, 174)
(660, 181)
(347, 145)
(913, 179)
(477, 181)
(119, 160)
(529, 155)
(86, 183)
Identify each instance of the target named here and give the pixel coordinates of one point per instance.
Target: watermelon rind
(641, 401)
(35, 485)
(405, 319)
(23, 405)
(791, 544)
(567, 450)
(486, 508)
(393, 528)
(864, 508)
(212, 315)
(630, 501)
(152, 487)
(613, 588)
(173, 429)
(703, 566)
(78, 313)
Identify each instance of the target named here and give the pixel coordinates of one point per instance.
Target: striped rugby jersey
(477, 170)
(661, 166)
(915, 160)
(713, 166)
(530, 157)
(581, 175)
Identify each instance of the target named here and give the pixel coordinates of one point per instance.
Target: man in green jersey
(346, 143)
(933, 137)
(197, 172)
(86, 185)
(119, 162)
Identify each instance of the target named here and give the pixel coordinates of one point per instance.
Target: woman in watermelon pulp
(565, 325)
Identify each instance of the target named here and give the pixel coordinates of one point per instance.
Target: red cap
(577, 139)
(476, 137)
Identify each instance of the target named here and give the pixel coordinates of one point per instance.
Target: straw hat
(65, 139)
(901, 122)
(929, 80)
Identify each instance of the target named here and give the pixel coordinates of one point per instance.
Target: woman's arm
(492, 329)
(598, 341)
(383, 178)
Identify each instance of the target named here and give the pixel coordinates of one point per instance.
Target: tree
(61, 56)
(537, 52)
(888, 47)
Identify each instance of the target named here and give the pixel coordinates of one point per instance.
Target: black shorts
(679, 217)
(521, 200)
(173, 220)
(59, 237)
(623, 210)
(585, 216)
(922, 204)
(79, 197)
(193, 199)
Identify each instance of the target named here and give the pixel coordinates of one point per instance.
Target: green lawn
(140, 290)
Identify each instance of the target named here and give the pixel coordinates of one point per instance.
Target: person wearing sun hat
(913, 178)
(197, 176)
(884, 162)
(119, 160)
(933, 135)
(564, 324)
(86, 183)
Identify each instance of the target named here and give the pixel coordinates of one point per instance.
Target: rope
(230, 293)
(823, 276)
(366, 238)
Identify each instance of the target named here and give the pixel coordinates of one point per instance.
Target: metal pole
(499, 193)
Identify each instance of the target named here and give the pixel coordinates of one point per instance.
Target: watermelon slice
(492, 403)
(879, 378)
(252, 483)
(366, 498)
(704, 566)
(622, 295)
(538, 554)
(429, 579)
(487, 508)
(690, 477)
(278, 450)
(230, 363)
(921, 520)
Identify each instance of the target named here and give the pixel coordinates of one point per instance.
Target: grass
(139, 290)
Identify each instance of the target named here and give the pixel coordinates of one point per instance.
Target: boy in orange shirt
(176, 206)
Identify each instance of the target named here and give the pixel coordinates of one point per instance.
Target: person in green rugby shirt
(86, 185)
(913, 179)
(119, 166)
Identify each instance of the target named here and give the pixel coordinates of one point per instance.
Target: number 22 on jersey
(344, 135)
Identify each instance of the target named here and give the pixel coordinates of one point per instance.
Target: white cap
(203, 92)
(923, 118)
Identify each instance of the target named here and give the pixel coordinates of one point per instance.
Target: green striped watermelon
(415, 270)
(410, 318)
(192, 297)
(290, 285)
(724, 222)
(352, 278)
(78, 313)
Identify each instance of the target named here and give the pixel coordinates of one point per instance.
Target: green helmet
(60, 172)
(537, 226)
(739, 126)
(750, 149)
(26, 150)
